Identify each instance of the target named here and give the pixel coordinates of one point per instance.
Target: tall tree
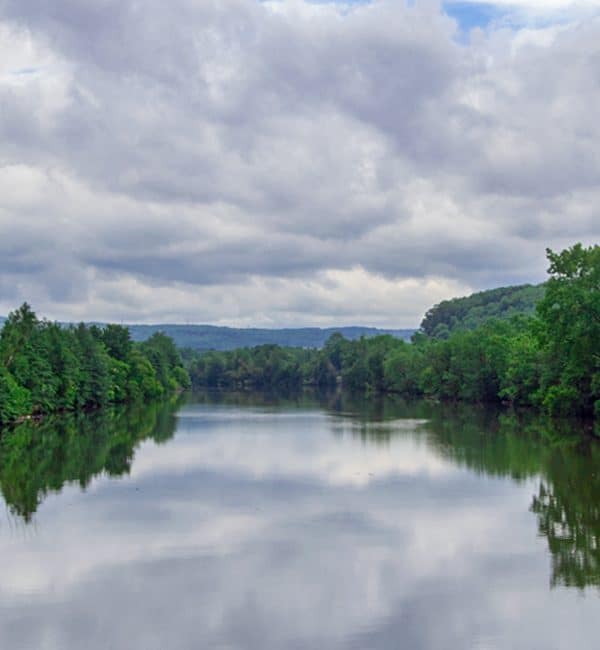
(570, 312)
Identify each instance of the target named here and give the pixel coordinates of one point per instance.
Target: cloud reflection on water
(278, 529)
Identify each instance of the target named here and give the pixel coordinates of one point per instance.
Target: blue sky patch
(471, 15)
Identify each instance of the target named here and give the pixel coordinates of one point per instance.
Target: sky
(290, 163)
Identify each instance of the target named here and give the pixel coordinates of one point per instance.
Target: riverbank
(46, 368)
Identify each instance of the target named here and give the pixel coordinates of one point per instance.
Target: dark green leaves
(45, 368)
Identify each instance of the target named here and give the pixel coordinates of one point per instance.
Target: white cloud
(283, 163)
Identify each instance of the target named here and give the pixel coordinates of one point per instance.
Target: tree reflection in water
(37, 459)
(564, 455)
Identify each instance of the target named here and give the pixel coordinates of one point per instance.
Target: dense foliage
(475, 310)
(262, 367)
(550, 360)
(45, 368)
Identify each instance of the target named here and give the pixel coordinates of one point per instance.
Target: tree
(117, 340)
(570, 314)
(17, 330)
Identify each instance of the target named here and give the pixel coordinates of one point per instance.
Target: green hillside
(472, 311)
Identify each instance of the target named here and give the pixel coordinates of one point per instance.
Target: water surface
(245, 522)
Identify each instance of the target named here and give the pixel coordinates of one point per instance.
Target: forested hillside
(549, 359)
(472, 311)
(45, 367)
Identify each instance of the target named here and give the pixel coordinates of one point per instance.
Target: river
(256, 522)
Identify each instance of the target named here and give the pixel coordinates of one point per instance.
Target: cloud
(232, 162)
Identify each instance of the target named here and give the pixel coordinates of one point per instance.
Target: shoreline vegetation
(536, 347)
(526, 346)
(46, 368)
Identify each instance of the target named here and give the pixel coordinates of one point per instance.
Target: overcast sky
(290, 163)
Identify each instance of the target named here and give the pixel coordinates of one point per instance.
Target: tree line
(549, 359)
(47, 368)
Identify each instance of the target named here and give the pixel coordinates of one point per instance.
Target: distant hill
(458, 313)
(210, 337)
(470, 312)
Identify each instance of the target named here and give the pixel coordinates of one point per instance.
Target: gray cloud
(243, 154)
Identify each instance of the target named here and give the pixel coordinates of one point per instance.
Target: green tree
(16, 332)
(570, 314)
(117, 340)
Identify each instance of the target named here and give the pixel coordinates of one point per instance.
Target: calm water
(240, 522)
